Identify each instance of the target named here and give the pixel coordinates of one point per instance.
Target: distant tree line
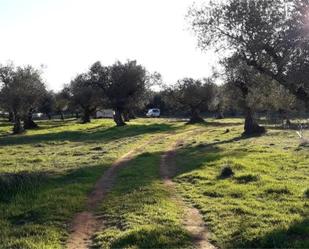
(266, 70)
(127, 88)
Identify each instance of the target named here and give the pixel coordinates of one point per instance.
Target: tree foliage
(62, 99)
(86, 95)
(47, 104)
(21, 91)
(123, 84)
(269, 36)
(193, 95)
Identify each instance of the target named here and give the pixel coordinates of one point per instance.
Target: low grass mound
(226, 172)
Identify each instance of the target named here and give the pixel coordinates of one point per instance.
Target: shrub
(226, 172)
(306, 193)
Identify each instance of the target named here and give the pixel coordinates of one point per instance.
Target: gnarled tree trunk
(132, 114)
(28, 121)
(126, 116)
(220, 115)
(118, 118)
(17, 128)
(195, 117)
(86, 116)
(251, 126)
(11, 117)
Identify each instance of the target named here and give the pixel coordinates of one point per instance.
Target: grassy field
(46, 174)
(265, 203)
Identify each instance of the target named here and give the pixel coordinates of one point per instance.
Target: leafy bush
(226, 172)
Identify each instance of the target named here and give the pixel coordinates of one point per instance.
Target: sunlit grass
(46, 174)
(264, 203)
(139, 212)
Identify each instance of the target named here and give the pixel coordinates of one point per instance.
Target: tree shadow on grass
(221, 124)
(294, 236)
(190, 158)
(96, 134)
(4, 124)
(40, 197)
(38, 209)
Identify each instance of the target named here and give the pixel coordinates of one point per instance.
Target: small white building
(105, 113)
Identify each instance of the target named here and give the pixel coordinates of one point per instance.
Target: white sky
(69, 35)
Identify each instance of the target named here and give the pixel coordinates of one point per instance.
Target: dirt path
(85, 224)
(193, 220)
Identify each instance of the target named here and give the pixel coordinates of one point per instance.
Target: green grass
(46, 174)
(141, 212)
(264, 204)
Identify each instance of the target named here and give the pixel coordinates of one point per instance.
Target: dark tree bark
(17, 128)
(62, 116)
(126, 116)
(86, 116)
(29, 123)
(251, 126)
(220, 115)
(118, 118)
(286, 122)
(11, 117)
(49, 116)
(195, 117)
(132, 114)
(76, 115)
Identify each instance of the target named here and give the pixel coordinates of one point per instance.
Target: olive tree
(62, 101)
(86, 95)
(269, 36)
(193, 95)
(47, 104)
(122, 84)
(245, 80)
(21, 91)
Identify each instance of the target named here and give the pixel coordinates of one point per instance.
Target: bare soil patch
(193, 220)
(86, 223)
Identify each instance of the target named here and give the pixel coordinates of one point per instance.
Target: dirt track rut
(86, 223)
(193, 220)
